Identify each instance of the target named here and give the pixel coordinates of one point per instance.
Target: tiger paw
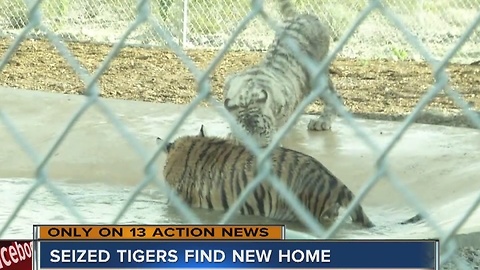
(320, 124)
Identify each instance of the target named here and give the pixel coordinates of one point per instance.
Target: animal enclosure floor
(438, 164)
(373, 89)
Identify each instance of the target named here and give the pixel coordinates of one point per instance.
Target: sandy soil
(376, 89)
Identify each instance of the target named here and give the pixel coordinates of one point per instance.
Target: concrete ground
(439, 164)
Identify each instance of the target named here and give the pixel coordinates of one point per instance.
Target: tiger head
(248, 101)
(169, 146)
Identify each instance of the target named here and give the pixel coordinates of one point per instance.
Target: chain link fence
(451, 25)
(208, 24)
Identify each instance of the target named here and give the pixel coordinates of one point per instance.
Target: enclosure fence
(144, 14)
(208, 24)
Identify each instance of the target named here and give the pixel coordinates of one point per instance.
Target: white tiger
(264, 96)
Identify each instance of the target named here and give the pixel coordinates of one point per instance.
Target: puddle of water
(100, 203)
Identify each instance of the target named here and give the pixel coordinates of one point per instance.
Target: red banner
(16, 254)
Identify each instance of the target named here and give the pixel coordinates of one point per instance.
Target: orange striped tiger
(210, 173)
(264, 96)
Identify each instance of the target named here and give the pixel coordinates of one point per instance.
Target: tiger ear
(226, 87)
(264, 98)
(225, 103)
(227, 82)
(202, 132)
(168, 146)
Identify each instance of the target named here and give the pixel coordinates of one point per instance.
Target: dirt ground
(375, 89)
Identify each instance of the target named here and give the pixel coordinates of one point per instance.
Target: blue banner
(237, 254)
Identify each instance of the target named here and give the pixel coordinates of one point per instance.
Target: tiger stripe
(210, 173)
(231, 167)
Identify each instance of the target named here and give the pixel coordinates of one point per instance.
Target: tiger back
(211, 173)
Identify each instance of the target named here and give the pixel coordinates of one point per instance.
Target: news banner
(206, 247)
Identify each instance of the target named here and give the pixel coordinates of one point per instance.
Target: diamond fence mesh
(208, 24)
(438, 32)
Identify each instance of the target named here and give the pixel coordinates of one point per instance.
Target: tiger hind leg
(325, 119)
(359, 217)
(332, 212)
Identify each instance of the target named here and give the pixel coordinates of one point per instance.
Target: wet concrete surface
(440, 165)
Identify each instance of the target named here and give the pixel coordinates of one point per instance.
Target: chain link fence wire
(58, 20)
(208, 24)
